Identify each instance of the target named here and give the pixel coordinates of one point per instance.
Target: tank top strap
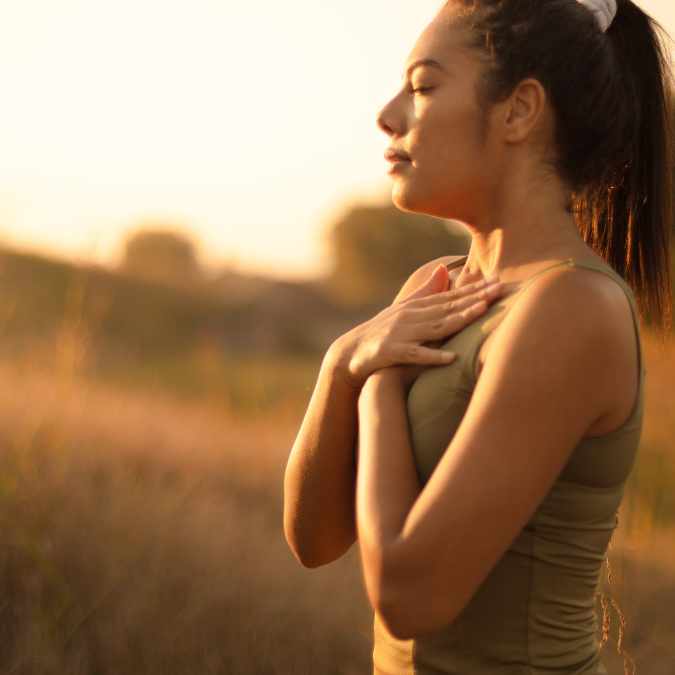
(570, 262)
(589, 265)
(498, 312)
(460, 262)
(608, 272)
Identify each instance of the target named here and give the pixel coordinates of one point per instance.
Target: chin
(449, 205)
(407, 200)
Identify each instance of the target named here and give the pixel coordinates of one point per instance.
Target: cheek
(453, 141)
(450, 157)
(448, 153)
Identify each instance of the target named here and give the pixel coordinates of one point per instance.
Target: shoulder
(574, 301)
(419, 276)
(574, 328)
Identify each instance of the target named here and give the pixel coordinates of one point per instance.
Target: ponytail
(610, 94)
(627, 215)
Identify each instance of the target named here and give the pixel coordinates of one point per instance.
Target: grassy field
(140, 520)
(642, 558)
(141, 533)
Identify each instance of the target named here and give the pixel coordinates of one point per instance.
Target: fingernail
(492, 280)
(447, 356)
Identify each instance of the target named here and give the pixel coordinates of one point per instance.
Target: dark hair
(610, 94)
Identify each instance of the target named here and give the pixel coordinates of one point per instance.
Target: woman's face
(441, 155)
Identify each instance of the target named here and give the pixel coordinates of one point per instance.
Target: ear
(523, 109)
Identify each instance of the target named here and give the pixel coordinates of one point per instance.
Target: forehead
(444, 42)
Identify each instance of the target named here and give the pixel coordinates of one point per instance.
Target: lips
(393, 156)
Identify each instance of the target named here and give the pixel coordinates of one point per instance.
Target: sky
(250, 126)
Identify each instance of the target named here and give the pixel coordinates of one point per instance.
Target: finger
(444, 327)
(435, 313)
(419, 355)
(436, 283)
(456, 293)
(459, 320)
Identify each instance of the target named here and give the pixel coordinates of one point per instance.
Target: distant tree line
(375, 249)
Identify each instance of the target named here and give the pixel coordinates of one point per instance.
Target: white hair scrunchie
(604, 11)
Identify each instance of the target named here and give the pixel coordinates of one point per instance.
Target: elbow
(310, 562)
(406, 621)
(400, 618)
(393, 593)
(310, 557)
(413, 595)
(300, 540)
(408, 611)
(391, 598)
(306, 556)
(315, 551)
(397, 623)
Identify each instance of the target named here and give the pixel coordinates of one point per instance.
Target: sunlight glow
(246, 124)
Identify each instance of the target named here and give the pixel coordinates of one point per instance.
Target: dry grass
(643, 551)
(141, 533)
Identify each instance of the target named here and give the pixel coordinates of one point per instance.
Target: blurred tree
(377, 248)
(163, 256)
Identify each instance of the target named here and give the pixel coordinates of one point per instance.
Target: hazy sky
(248, 124)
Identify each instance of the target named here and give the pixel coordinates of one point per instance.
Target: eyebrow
(422, 62)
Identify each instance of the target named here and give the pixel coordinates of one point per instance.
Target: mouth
(396, 159)
(393, 156)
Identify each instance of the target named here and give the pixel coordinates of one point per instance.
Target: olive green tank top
(535, 612)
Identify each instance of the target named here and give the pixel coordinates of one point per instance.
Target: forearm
(388, 484)
(319, 488)
(319, 516)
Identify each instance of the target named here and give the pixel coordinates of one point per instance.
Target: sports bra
(535, 612)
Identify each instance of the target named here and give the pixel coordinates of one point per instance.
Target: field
(141, 533)
(140, 522)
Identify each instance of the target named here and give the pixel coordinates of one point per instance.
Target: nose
(387, 120)
(382, 124)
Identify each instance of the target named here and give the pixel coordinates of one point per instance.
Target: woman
(490, 470)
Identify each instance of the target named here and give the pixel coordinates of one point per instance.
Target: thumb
(438, 282)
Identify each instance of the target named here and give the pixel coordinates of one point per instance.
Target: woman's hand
(319, 499)
(405, 332)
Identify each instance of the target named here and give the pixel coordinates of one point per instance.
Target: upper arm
(549, 375)
(417, 278)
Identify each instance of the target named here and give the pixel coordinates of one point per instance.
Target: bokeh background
(193, 206)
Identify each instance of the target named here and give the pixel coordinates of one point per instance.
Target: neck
(525, 226)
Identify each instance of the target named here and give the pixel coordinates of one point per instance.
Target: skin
(555, 370)
(320, 482)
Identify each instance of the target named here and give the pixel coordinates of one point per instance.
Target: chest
(440, 397)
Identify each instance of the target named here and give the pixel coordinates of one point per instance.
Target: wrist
(384, 380)
(335, 365)
(383, 390)
(338, 361)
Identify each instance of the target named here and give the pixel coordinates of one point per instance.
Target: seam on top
(529, 598)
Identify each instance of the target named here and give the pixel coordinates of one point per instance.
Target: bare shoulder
(419, 276)
(577, 300)
(577, 326)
